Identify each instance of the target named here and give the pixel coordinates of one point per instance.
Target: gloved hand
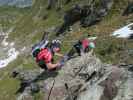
(62, 63)
(66, 57)
(63, 60)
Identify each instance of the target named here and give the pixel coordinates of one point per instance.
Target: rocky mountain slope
(106, 75)
(82, 78)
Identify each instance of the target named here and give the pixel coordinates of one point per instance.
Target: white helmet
(56, 41)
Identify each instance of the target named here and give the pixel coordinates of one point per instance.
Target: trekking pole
(51, 89)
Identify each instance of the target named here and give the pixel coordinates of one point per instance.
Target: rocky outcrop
(113, 85)
(71, 16)
(96, 13)
(86, 14)
(73, 74)
(82, 78)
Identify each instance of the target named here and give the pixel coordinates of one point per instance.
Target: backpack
(35, 52)
(37, 47)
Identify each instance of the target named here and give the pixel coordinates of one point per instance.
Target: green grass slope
(9, 15)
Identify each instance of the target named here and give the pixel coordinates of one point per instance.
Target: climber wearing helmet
(44, 55)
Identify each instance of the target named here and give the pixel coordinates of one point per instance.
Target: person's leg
(87, 50)
(78, 49)
(82, 51)
(71, 52)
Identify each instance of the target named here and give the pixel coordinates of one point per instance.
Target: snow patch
(12, 55)
(11, 51)
(124, 32)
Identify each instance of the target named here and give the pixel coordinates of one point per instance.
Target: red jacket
(85, 43)
(45, 55)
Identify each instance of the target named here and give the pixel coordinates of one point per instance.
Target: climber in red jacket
(44, 56)
(81, 47)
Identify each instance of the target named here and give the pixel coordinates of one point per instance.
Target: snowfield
(124, 32)
(12, 55)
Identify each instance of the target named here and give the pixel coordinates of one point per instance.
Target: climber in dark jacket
(81, 47)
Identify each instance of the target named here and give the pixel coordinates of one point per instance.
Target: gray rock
(35, 88)
(24, 96)
(91, 19)
(71, 16)
(95, 14)
(114, 85)
(81, 78)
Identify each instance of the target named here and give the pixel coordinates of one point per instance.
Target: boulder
(91, 19)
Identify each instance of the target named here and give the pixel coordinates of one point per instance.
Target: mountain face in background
(18, 3)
